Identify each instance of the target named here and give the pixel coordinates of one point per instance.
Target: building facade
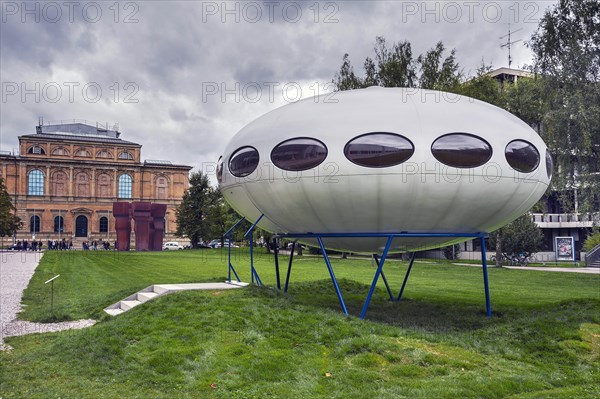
(66, 176)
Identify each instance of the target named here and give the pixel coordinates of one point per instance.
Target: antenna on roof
(508, 43)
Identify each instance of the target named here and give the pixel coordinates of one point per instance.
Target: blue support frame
(412, 260)
(276, 253)
(488, 307)
(377, 273)
(289, 270)
(228, 235)
(387, 285)
(380, 262)
(250, 232)
(332, 274)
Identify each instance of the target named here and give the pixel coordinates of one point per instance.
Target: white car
(171, 245)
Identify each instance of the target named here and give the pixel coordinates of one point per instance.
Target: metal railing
(562, 217)
(593, 256)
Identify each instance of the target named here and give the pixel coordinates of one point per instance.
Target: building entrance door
(81, 226)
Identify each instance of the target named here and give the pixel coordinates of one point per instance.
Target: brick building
(66, 176)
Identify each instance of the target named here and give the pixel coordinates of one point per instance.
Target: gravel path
(584, 270)
(16, 269)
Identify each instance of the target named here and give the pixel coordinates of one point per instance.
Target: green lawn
(543, 341)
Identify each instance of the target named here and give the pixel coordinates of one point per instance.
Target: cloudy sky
(181, 78)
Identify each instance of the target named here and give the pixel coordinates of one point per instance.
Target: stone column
(142, 215)
(47, 185)
(71, 184)
(93, 183)
(158, 221)
(122, 215)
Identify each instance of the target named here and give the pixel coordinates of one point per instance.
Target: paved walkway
(585, 270)
(16, 269)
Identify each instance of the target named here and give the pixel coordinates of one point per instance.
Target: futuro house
(385, 160)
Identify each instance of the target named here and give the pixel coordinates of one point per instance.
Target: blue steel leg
(276, 263)
(333, 279)
(412, 260)
(387, 285)
(377, 273)
(251, 261)
(229, 259)
(289, 270)
(488, 307)
(255, 276)
(234, 272)
(229, 262)
(252, 269)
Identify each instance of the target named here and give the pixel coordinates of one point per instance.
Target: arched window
(103, 224)
(162, 186)
(35, 182)
(59, 184)
(104, 154)
(82, 184)
(82, 152)
(60, 151)
(36, 149)
(81, 226)
(125, 155)
(125, 184)
(59, 224)
(103, 189)
(34, 224)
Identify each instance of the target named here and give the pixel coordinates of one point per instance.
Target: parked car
(289, 245)
(217, 244)
(171, 245)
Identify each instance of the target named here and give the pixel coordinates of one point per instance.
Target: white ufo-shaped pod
(383, 160)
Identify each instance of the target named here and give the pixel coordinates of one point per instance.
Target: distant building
(508, 75)
(66, 176)
(556, 222)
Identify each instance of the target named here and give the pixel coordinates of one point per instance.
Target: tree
(566, 49)
(394, 66)
(591, 242)
(482, 87)
(223, 217)
(9, 222)
(437, 74)
(451, 252)
(196, 213)
(521, 237)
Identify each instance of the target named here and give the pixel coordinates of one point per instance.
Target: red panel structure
(122, 214)
(158, 224)
(142, 215)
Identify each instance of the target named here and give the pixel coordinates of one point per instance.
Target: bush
(591, 242)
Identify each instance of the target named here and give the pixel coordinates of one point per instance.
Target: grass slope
(544, 341)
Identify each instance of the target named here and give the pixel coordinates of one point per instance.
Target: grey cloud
(173, 49)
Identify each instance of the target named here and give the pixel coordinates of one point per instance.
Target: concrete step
(114, 312)
(160, 289)
(146, 296)
(157, 290)
(126, 305)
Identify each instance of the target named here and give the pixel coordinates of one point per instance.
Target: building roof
(509, 72)
(87, 138)
(79, 130)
